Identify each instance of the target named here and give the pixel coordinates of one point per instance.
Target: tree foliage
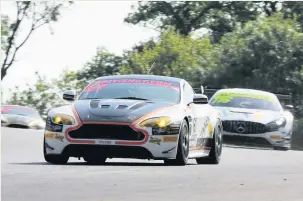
(38, 13)
(173, 55)
(102, 64)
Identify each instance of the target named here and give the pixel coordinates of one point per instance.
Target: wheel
(216, 148)
(54, 159)
(95, 159)
(183, 147)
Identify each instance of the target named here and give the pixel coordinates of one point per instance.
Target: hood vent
(121, 106)
(94, 103)
(138, 105)
(104, 106)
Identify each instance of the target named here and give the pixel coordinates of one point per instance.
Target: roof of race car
(241, 90)
(148, 77)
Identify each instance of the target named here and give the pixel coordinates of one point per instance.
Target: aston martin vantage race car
(134, 116)
(17, 116)
(253, 118)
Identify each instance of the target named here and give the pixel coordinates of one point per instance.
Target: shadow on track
(106, 164)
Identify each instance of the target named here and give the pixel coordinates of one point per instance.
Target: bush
(297, 138)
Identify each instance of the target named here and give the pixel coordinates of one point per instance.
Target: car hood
(115, 110)
(243, 114)
(19, 119)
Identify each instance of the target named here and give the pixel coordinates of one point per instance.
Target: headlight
(275, 125)
(161, 126)
(36, 123)
(62, 119)
(160, 122)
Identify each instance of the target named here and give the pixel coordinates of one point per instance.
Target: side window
(188, 93)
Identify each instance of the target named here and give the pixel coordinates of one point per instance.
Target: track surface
(242, 175)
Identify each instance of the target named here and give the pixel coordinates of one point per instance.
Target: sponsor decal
(155, 140)
(104, 142)
(225, 97)
(56, 136)
(131, 118)
(101, 84)
(205, 124)
(170, 138)
(48, 147)
(258, 116)
(210, 129)
(275, 137)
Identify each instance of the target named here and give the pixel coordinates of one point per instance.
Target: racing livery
(254, 118)
(134, 116)
(17, 116)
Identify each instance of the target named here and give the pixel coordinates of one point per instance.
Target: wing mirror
(289, 107)
(69, 95)
(200, 99)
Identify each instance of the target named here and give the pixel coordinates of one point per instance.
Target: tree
(185, 17)
(173, 55)
(266, 54)
(102, 64)
(38, 13)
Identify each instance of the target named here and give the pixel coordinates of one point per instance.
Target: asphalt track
(242, 175)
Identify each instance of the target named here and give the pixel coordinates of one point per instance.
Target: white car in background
(253, 118)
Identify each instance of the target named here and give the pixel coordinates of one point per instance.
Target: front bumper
(153, 147)
(269, 139)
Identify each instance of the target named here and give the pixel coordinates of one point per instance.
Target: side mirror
(200, 99)
(289, 107)
(69, 95)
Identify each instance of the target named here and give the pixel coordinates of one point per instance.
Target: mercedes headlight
(278, 123)
(62, 119)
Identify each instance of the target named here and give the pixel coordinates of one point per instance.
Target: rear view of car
(253, 118)
(16, 116)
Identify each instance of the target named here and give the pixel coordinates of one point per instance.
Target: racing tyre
(281, 148)
(95, 159)
(183, 147)
(54, 159)
(216, 148)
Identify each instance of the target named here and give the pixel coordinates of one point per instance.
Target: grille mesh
(102, 131)
(249, 127)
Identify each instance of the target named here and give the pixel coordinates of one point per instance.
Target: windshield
(18, 110)
(153, 90)
(246, 100)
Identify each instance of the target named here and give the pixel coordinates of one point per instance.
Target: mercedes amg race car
(253, 118)
(134, 116)
(17, 116)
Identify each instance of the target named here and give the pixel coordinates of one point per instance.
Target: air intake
(121, 107)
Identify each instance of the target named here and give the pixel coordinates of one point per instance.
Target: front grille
(247, 127)
(17, 126)
(103, 131)
(245, 140)
(76, 150)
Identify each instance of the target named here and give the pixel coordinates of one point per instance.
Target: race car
(134, 116)
(253, 118)
(17, 116)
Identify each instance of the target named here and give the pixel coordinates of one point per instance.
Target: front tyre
(216, 148)
(54, 159)
(183, 147)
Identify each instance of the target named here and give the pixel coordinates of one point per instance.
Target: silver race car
(254, 118)
(17, 116)
(134, 116)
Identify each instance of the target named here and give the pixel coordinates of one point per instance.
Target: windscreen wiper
(133, 98)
